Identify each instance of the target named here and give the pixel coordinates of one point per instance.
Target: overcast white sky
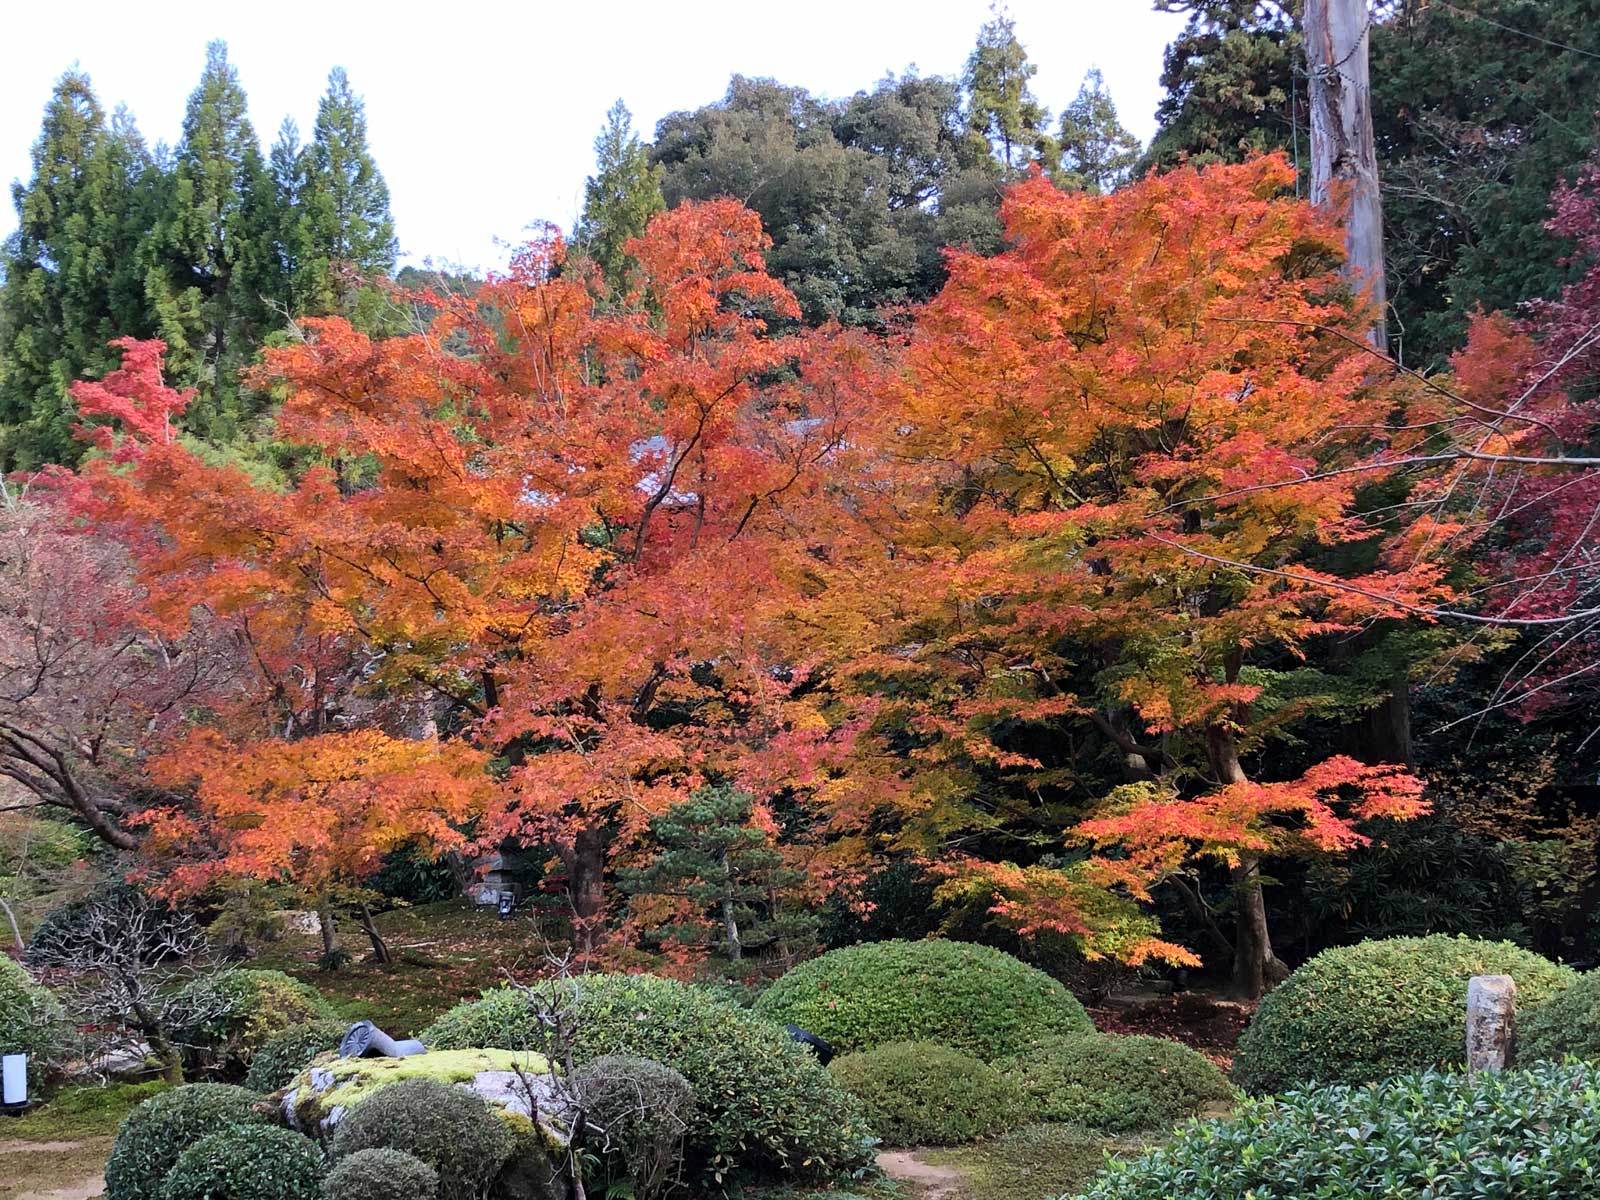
(483, 115)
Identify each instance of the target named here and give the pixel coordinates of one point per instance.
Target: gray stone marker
(1491, 1022)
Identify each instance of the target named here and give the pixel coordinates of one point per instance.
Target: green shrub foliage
(1528, 1134)
(32, 1021)
(449, 1128)
(247, 1164)
(763, 1101)
(1358, 1014)
(163, 1127)
(1567, 1023)
(381, 1175)
(1114, 1084)
(639, 1111)
(921, 1094)
(971, 997)
(284, 1055)
(237, 1011)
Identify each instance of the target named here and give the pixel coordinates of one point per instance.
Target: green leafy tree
(1097, 152)
(729, 871)
(71, 283)
(344, 226)
(1002, 114)
(619, 198)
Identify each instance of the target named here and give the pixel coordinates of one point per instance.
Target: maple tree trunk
(1254, 964)
(330, 936)
(1344, 159)
(380, 948)
(586, 867)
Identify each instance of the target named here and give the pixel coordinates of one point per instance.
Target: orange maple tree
(1102, 514)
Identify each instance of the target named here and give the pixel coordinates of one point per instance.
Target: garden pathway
(52, 1170)
(931, 1181)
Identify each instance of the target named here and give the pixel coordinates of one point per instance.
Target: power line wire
(1532, 37)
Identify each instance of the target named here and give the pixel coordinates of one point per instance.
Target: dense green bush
(1525, 1134)
(1357, 1014)
(1566, 1023)
(640, 1112)
(763, 1101)
(921, 1094)
(449, 1128)
(163, 1127)
(952, 993)
(381, 1175)
(235, 1012)
(247, 1164)
(1114, 1084)
(284, 1055)
(32, 1021)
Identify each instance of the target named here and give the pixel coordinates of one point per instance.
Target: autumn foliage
(1014, 588)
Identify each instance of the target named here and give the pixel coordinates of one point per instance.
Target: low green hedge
(1522, 1135)
(958, 994)
(163, 1127)
(381, 1175)
(920, 1094)
(1568, 1023)
(1115, 1084)
(762, 1100)
(248, 1164)
(32, 1021)
(237, 1011)
(449, 1128)
(1358, 1014)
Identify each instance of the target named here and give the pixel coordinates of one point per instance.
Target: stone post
(1491, 1022)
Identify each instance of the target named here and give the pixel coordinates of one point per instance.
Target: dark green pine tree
(212, 282)
(618, 199)
(286, 171)
(1002, 114)
(1097, 152)
(69, 269)
(345, 230)
(729, 871)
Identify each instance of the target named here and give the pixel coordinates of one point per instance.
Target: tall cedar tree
(1097, 152)
(212, 282)
(1003, 117)
(618, 199)
(342, 205)
(70, 269)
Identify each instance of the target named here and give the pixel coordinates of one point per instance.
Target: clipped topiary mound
(957, 994)
(1525, 1134)
(1115, 1084)
(638, 1112)
(163, 1127)
(763, 1101)
(236, 1012)
(1566, 1023)
(921, 1094)
(1357, 1014)
(32, 1021)
(248, 1164)
(284, 1055)
(381, 1175)
(449, 1128)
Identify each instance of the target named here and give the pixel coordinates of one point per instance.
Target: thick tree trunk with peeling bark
(1344, 160)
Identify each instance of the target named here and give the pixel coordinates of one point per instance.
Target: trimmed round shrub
(248, 1164)
(284, 1055)
(639, 1111)
(232, 1014)
(1357, 1014)
(381, 1175)
(449, 1128)
(958, 994)
(163, 1127)
(1526, 1134)
(32, 1021)
(1114, 1084)
(1566, 1023)
(921, 1094)
(763, 1100)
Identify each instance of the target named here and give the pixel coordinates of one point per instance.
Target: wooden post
(1491, 1022)
(1344, 159)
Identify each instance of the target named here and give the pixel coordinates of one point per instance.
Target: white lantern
(14, 1078)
